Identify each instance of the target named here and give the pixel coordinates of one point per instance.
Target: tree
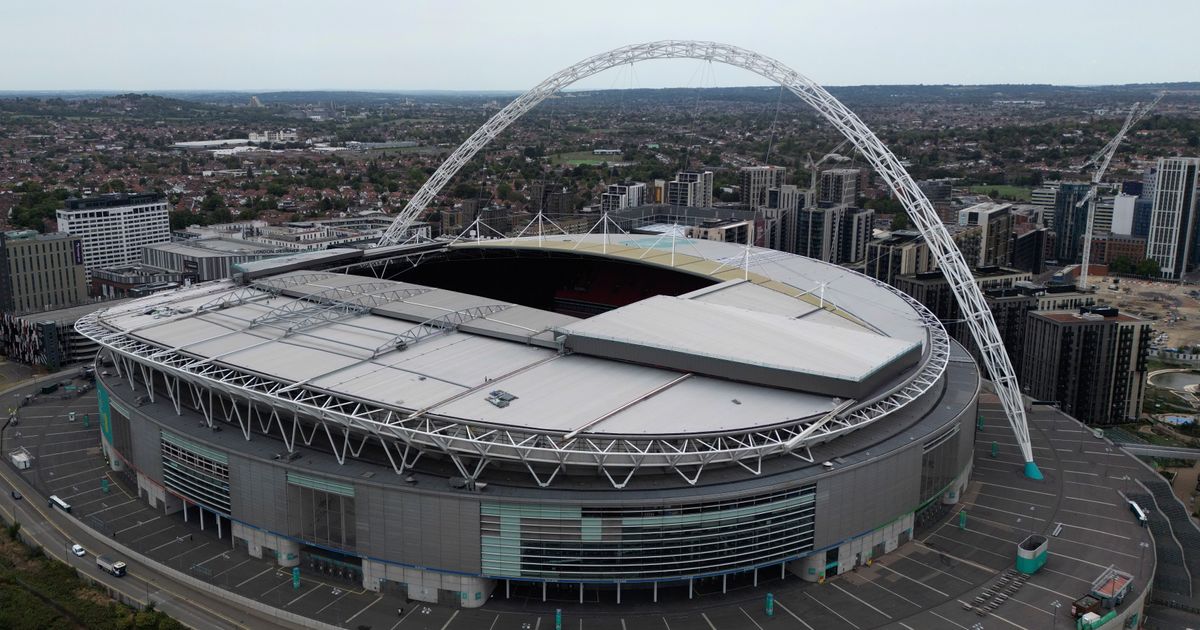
(212, 201)
(1149, 268)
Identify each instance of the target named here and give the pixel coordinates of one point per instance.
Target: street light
(1055, 605)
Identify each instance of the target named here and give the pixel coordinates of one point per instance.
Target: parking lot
(925, 584)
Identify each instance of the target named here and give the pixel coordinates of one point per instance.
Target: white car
(78, 550)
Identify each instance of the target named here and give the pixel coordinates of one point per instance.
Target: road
(56, 532)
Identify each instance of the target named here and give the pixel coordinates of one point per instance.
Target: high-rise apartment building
(900, 252)
(995, 221)
(114, 228)
(1044, 197)
(839, 186)
(755, 181)
(549, 197)
(1123, 209)
(1029, 251)
(1010, 307)
(839, 234)
(1070, 221)
(40, 272)
(933, 290)
(704, 186)
(1174, 228)
(1091, 362)
(682, 194)
(621, 196)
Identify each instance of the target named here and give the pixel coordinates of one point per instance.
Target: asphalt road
(56, 532)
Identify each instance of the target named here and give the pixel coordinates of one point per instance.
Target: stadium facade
(596, 411)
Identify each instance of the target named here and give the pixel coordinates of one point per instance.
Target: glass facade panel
(600, 543)
(198, 473)
(939, 464)
(321, 517)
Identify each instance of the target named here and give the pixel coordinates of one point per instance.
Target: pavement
(927, 583)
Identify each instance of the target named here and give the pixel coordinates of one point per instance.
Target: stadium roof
(781, 344)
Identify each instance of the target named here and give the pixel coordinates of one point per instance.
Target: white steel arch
(920, 210)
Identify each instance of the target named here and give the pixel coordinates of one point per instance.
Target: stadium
(595, 413)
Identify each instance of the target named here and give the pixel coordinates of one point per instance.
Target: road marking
(73, 462)
(1091, 501)
(447, 624)
(406, 615)
(747, 616)
(1097, 531)
(878, 585)
(709, 621)
(169, 542)
(77, 504)
(788, 611)
(993, 613)
(664, 623)
(981, 567)
(988, 507)
(839, 615)
(1048, 590)
(1073, 577)
(92, 471)
(140, 523)
(375, 601)
(1063, 555)
(187, 551)
(905, 625)
(1090, 515)
(224, 571)
(950, 620)
(200, 564)
(914, 580)
(110, 507)
(1010, 488)
(251, 578)
(974, 547)
(166, 528)
(912, 559)
(306, 593)
(334, 601)
(859, 599)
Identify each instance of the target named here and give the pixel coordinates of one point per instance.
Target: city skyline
(139, 46)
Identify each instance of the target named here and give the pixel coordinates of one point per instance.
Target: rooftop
(755, 350)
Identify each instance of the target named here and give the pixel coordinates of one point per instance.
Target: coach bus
(59, 503)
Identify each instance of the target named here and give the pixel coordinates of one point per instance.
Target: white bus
(1138, 513)
(59, 503)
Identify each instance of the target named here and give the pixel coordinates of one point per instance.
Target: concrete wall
(258, 494)
(425, 530)
(863, 498)
(469, 591)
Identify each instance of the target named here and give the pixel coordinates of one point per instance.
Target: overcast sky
(514, 44)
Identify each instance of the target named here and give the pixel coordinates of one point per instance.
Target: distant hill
(195, 103)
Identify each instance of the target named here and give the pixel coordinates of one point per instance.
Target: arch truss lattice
(975, 311)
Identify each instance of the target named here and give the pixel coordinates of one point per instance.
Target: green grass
(1019, 193)
(577, 158)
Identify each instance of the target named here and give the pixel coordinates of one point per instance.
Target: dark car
(16, 495)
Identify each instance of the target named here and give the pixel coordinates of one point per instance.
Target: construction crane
(810, 198)
(812, 168)
(1101, 159)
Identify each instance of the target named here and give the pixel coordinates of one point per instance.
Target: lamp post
(1055, 605)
